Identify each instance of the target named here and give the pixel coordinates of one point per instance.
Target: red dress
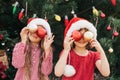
(84, 65)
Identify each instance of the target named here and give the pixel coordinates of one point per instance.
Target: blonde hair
(28, 61)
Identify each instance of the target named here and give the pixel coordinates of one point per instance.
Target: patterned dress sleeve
(47, 65)
(18, 55)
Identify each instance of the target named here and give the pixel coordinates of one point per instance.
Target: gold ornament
(88, 36)
(57, 17)
(95, 11)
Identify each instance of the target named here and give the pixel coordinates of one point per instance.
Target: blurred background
(104, 14)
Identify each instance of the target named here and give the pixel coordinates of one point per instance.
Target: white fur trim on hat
(82, 24)
(39, 21)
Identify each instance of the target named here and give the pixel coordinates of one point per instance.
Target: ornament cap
(34, 15)
(72, 12)
(16, 3)
(66, 17)
(22, 10)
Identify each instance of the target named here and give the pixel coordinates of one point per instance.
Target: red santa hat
(77, 24)
(34, 22)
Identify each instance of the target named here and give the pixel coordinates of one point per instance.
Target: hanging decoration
(102, 15)
(57, 17)
(21, 14)
(46, 18)
(34, 15)
(72, 12)
(66, 21)
(1, 36)
(74, 15)
(113, 2)
(3, 44)
(8, 49)
(15, 7)
(96, 14)
(108, 28)
(110, 50)
(115, 33)
(26, 8)
(30, 19)
(95, 11)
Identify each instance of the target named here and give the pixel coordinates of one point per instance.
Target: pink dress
(18, 61)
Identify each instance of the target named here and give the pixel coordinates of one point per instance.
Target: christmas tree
(104, 14)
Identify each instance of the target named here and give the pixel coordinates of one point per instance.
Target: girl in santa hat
(32, 56)
(76, 61)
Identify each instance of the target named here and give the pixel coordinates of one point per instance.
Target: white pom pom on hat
(69, 70)
(77, 24)
(39, 21)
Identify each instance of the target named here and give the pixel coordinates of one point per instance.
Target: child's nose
(34, 33)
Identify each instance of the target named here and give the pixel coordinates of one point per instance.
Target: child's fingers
(71, 41)
(67, 39)
(25, 30)
(52, 36)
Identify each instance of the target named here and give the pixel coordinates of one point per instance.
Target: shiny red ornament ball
(113, 2)
(41, 32)
(108, 28)
(76, 35)
(102, 15)
(115, 33)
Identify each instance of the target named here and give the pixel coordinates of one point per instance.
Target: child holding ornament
(33, 55)
(76, 61)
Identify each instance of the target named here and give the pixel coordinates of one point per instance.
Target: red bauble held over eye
(76, 35)
(41, 32)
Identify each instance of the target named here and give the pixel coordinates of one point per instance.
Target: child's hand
(67, 43)
(24, 34)
(94, 43)
(48, 42)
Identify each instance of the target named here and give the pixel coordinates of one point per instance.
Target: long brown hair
(28, 61)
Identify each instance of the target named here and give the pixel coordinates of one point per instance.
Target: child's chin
(82, 44)
(35, 40)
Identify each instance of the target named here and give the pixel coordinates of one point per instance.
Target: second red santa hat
(77, 24)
